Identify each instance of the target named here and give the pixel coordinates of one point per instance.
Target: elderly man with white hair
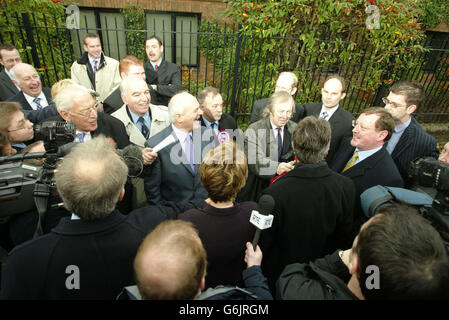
(35, 101)
(142, 119)
(174, 175)
(77, 104)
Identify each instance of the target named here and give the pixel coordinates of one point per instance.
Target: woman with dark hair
(223, 225)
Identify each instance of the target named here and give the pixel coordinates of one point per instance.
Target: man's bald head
(171, 262)
(90, 179)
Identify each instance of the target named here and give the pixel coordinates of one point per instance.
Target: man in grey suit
(329, 109)
(9, 57)
(174, 175)
(288, 82)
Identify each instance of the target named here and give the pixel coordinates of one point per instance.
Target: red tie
(156, 67)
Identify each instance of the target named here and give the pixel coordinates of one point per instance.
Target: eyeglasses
(393, 104)
(21, 125)
(87, 112)
(355, 123)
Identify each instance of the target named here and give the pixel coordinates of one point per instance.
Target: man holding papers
(174, 175)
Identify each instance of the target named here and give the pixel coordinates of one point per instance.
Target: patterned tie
(213, 125)
(279, 143)
(37, 102)
(189, 151)
(156, 67)
(95, 66)
(144, 129)
(351, 162)
(324, 115)
(80, 137)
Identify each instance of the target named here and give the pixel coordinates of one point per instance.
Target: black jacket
(102, 250)
(324, 279)
(108, 126)
(341, 126)
(312, 217)
(415, 143)
(7, 87)
(377, 169)
(168, 81)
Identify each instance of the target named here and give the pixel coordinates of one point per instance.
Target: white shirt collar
(329, 112)
(30, 100)
(366, 153)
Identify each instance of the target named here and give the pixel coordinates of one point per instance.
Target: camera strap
(41, 194)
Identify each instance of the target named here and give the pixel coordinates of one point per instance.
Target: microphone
(262, 219)
(132, 156)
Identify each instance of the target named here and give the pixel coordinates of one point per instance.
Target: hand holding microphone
(262, 219)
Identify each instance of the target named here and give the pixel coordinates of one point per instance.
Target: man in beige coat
(142, 119)
(94, 70)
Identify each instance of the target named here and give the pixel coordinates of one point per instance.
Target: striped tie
(38, 104)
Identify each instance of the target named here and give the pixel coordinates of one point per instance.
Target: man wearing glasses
(77, 104)
(15, 125)
(409, 140)
(364, 159)
(287, 82)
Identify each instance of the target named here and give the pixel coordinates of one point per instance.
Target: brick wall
(210, 10)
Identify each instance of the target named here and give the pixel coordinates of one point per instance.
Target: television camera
(20, 182)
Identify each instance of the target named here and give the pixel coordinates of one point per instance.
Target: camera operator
(397, 255)
(14, 125)
(90, 254)
(444, 156)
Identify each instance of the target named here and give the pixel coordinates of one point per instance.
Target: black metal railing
(218, 55)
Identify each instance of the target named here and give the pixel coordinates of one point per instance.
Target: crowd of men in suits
(314, 161)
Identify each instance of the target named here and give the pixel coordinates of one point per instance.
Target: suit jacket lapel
(405, 141)
(8, 82)
(25, 103)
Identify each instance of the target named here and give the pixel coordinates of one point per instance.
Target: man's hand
(285, 166)
(253, 258)
(148, 156)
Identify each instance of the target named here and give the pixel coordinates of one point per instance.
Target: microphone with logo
(262, 219)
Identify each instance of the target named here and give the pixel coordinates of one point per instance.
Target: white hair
(129, 82)
(64, 98)
(178, 102)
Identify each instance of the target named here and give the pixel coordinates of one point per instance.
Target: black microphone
(132, 156)
(265, 206)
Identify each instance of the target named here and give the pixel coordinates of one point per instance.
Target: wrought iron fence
(216, 55)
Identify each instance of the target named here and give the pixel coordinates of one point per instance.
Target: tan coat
(107, 78)
(159, 121)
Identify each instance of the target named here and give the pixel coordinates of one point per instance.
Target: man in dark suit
(77, 104)
(35, 101)
(364, 158)
(333, 91)
(313, 205)
(409, 140)
(174, 175)
(162, 76)
(9, 57)
(90, 254)
(213, 118)
(288, 82)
